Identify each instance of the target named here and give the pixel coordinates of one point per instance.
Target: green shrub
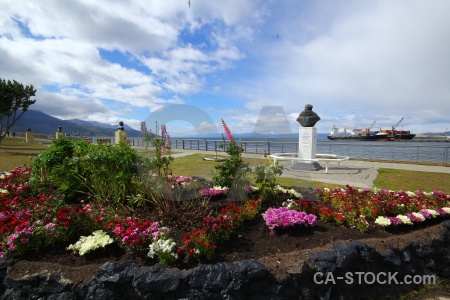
(232, 173)
(266, 179)
(78, 169)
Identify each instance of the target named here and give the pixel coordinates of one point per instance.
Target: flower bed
(30, 221)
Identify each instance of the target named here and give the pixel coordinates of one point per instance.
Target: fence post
(268, 148)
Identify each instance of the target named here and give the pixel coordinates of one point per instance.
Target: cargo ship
(399, 134)
(354, 134)
(369, 134)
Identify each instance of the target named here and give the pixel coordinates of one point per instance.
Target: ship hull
(359, 138)
(409, 136)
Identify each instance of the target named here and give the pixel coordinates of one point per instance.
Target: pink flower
(284, 217)
(227, 131)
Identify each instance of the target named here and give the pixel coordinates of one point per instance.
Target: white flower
(89, 243)
(446, 209)
(291, 192)
(294, 193)
(419, 216)
(219, 188)
(4, 175)
(410, 194)
(281, 189)
(290, 204)
(2, 191)
(432, 212)
(404, 219)
(161, 245)
(383, 221)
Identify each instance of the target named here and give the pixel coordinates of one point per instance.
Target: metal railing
(388, 151)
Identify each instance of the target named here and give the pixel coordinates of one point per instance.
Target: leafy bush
(162, 160)
(233, 171)
(266, 179)
(78, 169)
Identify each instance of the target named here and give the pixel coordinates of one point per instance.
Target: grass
(14, 152)
(412, 180)
(194, 165)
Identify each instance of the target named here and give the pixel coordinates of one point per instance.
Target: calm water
(396, 150)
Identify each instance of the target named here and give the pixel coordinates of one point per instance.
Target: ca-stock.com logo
(271, 121)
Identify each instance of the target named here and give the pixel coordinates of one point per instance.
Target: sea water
(412, 151)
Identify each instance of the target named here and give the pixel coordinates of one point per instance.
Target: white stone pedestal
(307, 141)
(120, 136)
(29, 138)
(59, 135)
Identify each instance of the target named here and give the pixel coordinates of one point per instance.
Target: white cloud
(389, 60)
(354, 61)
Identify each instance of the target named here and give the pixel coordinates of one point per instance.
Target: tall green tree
(14, 102)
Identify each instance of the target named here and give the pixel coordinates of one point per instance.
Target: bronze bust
(308, 118)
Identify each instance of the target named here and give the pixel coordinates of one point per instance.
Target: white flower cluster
(383, 221)
(291, 192)
(219, 188)
(4, 175)
(410, 194)
(404, 219)
(420, 217)
(2, 191)
(164, 250)
(434, 213)
(289, 204)
(89, 243)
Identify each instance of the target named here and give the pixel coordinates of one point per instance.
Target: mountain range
(42, 123)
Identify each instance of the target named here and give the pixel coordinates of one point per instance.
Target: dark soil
(251, 241)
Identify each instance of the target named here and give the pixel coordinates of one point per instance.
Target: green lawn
(15, 152)
(412, 180)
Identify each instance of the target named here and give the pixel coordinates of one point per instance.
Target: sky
(255, 64)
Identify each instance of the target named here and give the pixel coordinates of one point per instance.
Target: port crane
(396, 125)
(366, 131)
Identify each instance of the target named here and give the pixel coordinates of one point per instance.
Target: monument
(29, 138)
(307, 140)
(59, 133)
(121, 135)
(306, 158)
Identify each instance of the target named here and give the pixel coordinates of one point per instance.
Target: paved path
(356, 173)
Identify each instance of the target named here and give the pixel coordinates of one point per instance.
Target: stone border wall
(247, 279)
